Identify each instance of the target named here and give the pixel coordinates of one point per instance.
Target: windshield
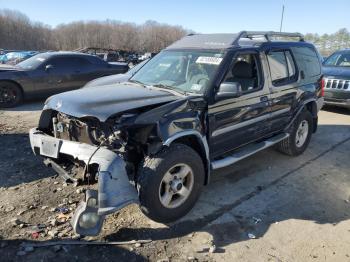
(33, 62)
(338, 59)
(186, 71)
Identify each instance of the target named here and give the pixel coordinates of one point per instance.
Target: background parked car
(146, 56)
(132, 60)
(13, 58)
(115, 79)
(49, 73)
(336, 71)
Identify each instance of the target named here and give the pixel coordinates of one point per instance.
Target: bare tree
(17, 31)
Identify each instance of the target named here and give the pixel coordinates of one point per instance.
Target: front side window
(282, 67)
(338, 59)
(185, 71)
(245, 70)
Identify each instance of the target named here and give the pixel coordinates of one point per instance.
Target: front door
(235, 122)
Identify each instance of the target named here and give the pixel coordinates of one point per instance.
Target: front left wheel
(170, 183)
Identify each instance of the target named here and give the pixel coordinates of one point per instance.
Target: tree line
(328, 43)
(17, 31)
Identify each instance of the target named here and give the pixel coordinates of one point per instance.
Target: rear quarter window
(308, 60)
(97, 61)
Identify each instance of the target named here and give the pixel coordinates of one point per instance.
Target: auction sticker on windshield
(209, 60)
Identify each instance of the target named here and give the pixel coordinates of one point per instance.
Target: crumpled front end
(114, 189)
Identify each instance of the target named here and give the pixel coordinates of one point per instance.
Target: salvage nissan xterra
(204, 103)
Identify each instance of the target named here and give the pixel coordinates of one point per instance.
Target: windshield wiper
(136, 82)
(169, 88)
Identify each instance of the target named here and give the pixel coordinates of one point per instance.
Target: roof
(345, 50)
(210, 41)
(224, 41)
(58, 53)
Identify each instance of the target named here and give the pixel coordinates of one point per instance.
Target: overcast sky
(219, 16)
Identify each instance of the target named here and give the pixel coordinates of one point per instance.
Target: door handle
(264, 99)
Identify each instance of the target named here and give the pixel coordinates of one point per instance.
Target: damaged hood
(103, 101)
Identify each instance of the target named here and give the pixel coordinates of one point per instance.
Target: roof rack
(266, 34)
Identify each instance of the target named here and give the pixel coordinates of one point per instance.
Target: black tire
(150, 176)
(11, 95)
(289, 145)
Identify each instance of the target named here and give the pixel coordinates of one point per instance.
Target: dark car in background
(336, 71)
(49, 73)
(116, 79)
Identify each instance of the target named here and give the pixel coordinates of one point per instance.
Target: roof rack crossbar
(266, 34)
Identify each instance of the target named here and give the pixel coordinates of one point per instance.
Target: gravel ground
(269, 207)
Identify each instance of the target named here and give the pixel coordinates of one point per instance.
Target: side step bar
(247, 151)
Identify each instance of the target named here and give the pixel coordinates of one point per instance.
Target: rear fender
(311, 106)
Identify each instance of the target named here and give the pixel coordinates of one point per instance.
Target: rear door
(283, 84)
(237, 121)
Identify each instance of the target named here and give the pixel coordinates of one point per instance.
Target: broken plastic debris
(251, 236)
(63, 210)
(35, 235)
(63, 217)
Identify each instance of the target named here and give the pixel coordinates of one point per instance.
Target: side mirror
(48, 68)
(229, 90)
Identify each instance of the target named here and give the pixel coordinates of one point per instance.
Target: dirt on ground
(269, 207)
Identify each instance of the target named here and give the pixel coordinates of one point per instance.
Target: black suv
(204, 103)
(336, 70)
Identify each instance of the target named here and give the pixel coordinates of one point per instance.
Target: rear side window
(311, 61)
(282, 67)
(69, 63)
(97, 60)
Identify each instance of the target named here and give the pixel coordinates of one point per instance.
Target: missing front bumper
(114, 188)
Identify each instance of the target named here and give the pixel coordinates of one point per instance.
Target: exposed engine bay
(119, 135)
(89, 131)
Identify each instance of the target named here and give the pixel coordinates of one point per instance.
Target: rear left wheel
(299, 135)
(10, 95)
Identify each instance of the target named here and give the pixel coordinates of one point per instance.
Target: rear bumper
(338, 102)
(114, 189)
(320, 103)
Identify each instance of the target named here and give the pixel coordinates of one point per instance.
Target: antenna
(282, 18)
